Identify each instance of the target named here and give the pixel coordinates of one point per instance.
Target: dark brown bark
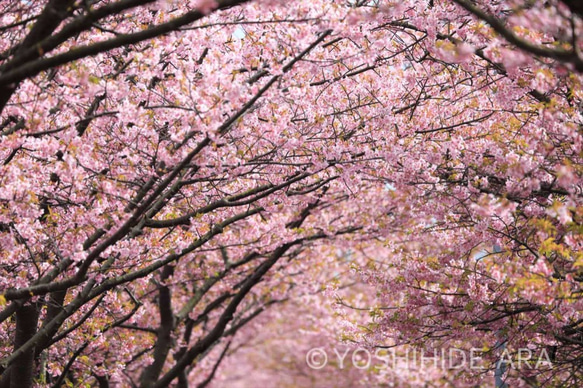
(164, 339)
(206, 342)
(576, 6)
(53, 14)
(22, 370)
(54, 305)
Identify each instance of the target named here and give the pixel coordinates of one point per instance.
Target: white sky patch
(239, 33)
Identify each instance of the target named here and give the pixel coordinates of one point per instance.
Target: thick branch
(22, 370)
(566, 56)
(33, 68)
(164, 338)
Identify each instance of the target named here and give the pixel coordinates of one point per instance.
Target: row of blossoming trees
(173, 172)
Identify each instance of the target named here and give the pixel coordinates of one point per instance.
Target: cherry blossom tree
(178, 176)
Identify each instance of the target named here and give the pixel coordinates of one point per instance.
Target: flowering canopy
(172, 170)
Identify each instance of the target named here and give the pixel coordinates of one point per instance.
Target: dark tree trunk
(22, 370)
